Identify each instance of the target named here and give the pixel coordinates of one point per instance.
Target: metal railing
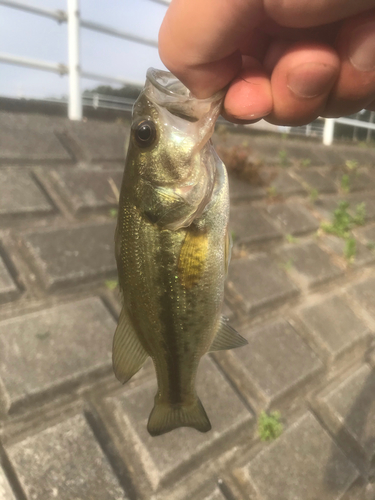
(73, 69)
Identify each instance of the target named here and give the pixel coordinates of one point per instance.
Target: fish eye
(145, 133)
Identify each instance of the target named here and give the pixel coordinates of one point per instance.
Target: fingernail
(311, 79)
(362, 47)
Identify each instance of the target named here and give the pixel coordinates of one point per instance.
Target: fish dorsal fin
(128, 355)
(227, 338)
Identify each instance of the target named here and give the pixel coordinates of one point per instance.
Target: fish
(172, 249)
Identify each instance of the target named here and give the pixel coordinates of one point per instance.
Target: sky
(29, 35)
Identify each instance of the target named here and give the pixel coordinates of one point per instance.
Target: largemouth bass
(172, 249)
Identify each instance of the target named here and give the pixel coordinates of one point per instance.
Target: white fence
(73, 70)
(75, 73)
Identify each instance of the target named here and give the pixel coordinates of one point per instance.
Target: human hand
(288, 61)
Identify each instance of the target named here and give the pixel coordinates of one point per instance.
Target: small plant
(234, 236)
(290, 238)
(269, 426)
(305, 162)
(287, 266)
(343, 222)
(113, 212)
(272, 191)
(350, 249)
(111, 284)
(351, 164)
(345, 183)
(283, 157)
(342, 225)
(360, 214)
(314, 194)
(371, 245)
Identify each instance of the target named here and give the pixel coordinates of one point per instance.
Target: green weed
(287, 266)
(269, 426)
(283, 157)
(272, 191)
(305, 162)
(351, 164)
(113, 212)
(111, 284)
(350, 249)
(343, 222)
(345, 183)
(290, 238)
(314, 194)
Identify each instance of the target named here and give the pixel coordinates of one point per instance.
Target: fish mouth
(167, 83)
(167, 91)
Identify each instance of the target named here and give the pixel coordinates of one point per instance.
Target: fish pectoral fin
(165, 417)
(227, 338)
(128, 354)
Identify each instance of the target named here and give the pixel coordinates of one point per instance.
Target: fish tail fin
(165, 417)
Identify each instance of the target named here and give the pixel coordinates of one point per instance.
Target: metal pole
(328, 131)
(75, 98)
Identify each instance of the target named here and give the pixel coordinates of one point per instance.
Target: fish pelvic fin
(227, 338)
(128, 355)
(165, 417)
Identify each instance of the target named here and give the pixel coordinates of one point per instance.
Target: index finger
(199, 40)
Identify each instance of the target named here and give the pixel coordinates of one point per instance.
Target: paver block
(249, 225)
(28, 137)
(215, 495)
(317, 181)
(5, 489)
(364, 292)
(276, 363)
(20, 195)
(293, 218)
(327, 206)
(240, 190)
(329, 155)
(308, 264)
(349, 410)
(259, 282)
(63, 256)
(285, 184)
(303, 463)
(362, 254)
(87, 190)
(8, 288)
(55, 348)
(96, 140)
(335, 329)
(163, 457)
(367, 234)
(65, 462)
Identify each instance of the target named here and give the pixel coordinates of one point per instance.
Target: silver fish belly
(172, 249)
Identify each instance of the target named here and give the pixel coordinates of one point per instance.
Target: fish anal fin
(128, 355)
(165, 417)
(227, 338)
(193, 257)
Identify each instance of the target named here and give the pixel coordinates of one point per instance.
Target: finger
(199, 41)
(249, 96)
(306, 13)
(301, 81)
(355, 86)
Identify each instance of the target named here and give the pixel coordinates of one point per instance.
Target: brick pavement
(68, 430)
